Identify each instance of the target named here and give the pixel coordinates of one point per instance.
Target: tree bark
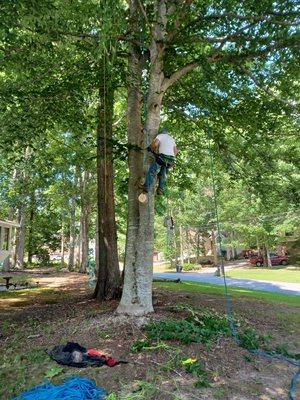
(266, 257)
(137, 291)
(181, 245)
(30, 230)
(214, 247)
(84, 222)
(108, 278)
(20, 239)
(78, 248)
(62, 241)
(198, 238)
(97, 248)
(72, 227)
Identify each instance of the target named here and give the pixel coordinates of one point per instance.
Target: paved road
(209, 277)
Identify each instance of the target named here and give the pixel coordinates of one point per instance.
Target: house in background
(7, 235)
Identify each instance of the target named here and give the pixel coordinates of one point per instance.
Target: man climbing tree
(181, 38)
(164, 149)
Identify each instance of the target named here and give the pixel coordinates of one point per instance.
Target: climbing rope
(228, 300)
(75, 388)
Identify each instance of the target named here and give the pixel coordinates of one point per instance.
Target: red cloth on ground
(108, 360)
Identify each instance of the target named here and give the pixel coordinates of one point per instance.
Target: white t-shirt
(166, 144)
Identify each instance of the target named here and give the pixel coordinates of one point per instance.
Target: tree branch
(186, 4)
(143, 11)
(231, 58)
(75, 35)
(290, 103)
(235, 58)
(178, 74)
(268, 18)
(257, 18)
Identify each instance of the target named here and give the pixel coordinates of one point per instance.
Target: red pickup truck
(275, 260)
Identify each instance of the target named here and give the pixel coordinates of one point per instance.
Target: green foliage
(246, 99)
(138, 390)
(53, 371)
(190, 267)
(140, 345)
(146, 344)
(192, 366)
(249, 339)
(282, 349)
(201, 327)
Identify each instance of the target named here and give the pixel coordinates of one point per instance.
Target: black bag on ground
(74, 355)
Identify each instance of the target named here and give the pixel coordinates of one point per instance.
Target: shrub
(198, 326)
(190, 267)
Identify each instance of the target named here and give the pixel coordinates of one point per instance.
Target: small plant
(104, 334)
(146, 344)
(193, 367)
(250, 340)
(248, 357)
(4, 327)
(283, 350)
(53, 371)
(140, 390)
(140, 345)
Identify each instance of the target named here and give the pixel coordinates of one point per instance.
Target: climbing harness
(228, 300)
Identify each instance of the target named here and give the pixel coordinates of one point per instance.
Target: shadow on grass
(24, 297)
(269, 297)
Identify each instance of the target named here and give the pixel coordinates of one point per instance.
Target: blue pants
(159, 170)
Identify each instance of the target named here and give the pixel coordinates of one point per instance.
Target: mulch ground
(32, 324)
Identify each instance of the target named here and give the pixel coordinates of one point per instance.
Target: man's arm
(154, 145)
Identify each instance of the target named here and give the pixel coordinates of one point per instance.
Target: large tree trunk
(62, 241)
(97, 248)
(84, 221)
(78, 248)
(72, 228)
(137, 291)
(30, 230)
(266, 257)
(108, 279)
(181, 245)
(20, 239)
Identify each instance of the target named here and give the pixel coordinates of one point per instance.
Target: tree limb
(268, 18)
(178, 74)
(186, 4)
(75, 35)
(231, 58)
(236, 58)
(290, 103)
(143, 11)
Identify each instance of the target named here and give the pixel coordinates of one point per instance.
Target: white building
(7, 234)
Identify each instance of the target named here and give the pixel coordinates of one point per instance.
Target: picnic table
(7, 279)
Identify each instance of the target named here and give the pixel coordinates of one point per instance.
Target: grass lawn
(165, 267)
(268, 297)
(281, 274)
